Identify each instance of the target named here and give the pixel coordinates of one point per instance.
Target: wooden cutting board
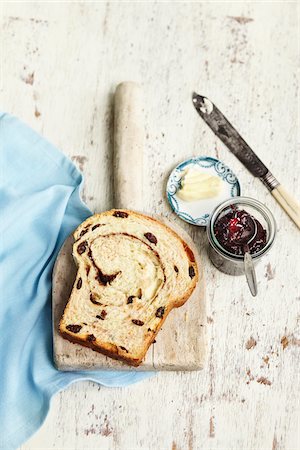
(181, 344)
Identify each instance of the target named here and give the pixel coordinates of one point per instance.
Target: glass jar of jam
(238, 225)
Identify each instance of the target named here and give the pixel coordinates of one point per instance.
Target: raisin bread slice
(132, 271)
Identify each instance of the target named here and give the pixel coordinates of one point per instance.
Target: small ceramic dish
(198, 212)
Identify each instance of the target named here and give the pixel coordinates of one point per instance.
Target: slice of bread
(132, 271)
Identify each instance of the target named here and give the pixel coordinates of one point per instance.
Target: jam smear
(238, 230)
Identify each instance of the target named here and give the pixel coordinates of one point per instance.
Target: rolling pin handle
(129, 140)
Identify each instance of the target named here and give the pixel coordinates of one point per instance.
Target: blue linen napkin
(40, 206)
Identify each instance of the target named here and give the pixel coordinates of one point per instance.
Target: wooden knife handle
(288, 203)
(129, 141)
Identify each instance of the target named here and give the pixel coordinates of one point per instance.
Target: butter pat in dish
(198, 185)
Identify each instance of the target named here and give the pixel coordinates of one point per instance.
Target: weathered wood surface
(61, 63)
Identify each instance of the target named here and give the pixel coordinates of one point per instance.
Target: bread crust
(112, 350)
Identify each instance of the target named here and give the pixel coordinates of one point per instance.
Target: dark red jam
(238, 231)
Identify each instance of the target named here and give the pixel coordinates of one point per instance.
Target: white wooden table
(60, 65)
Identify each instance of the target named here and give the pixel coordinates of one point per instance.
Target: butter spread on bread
(132, 271)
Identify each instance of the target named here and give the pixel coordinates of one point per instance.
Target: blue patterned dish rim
(183, 209)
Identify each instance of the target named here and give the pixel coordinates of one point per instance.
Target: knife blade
(228, 134)
(225, 131)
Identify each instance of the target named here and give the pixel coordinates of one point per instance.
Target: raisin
(121, 214)
(151, 238)
(140, 293)
(191, 272)
(90, 338)
(149, 329)
(74, 328)
(102, 315)
(82, 247)
(94, 301)
(95, 226)
(124, 348)
(87, 270)
(176, 269)
(79, 283)
(140, 323)
(130, 299)
(84, 323)
(83, 232)
(160, 312)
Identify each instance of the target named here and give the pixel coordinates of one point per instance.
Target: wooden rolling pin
(129, 141)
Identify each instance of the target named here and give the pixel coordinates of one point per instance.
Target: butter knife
(239, 147)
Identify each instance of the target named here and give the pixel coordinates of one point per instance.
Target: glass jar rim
(247, 201)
